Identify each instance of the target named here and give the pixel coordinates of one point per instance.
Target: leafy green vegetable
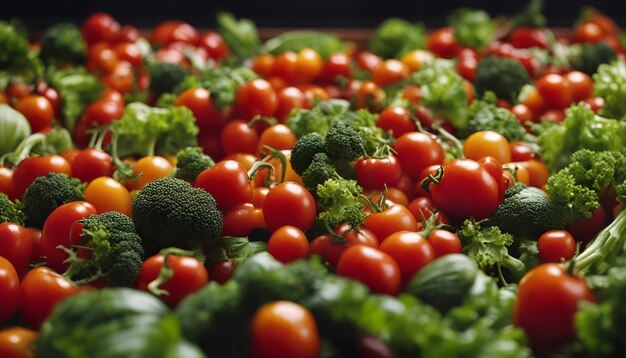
(240, 35)
(14, 128)
(609, 82)
(323, 43)
(588, 57)
(223, 82)
(63, 44)
(56, 141)
(319, 118)
(395, 37)
(10, 211)
(472, 28)
(77, 90)
(502, 76)
(606, 248)
(531, 15)
(16, 60)
(164, 77)
(484, 115)
(443, 92)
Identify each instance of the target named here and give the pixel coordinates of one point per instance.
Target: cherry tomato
(417, 151)
(372, 267)
(221, 272)
(288, 99)
(588, 32)
(198, 100)
(16, 245)
(37, 110)
(107, 194)
(421, 208)
(227, 182)
(556, 245)
(7, 185)
(547, 301)
(241, 219)
(443, 43)
(103, 111)
(414, 60)
(263, 64)
(278, 136)
(369, 95)
(520, 151)
(519, 171)
(397, 120)
(128, 34)
(594, 103)
(61, 229)
(527, 37)
(581, 85)
(9, 289)
(215, 45)
(466, 190)
(535, 103)
(151, 168)
(256, 97)
(100, 27)
(238, 137)
(391, 220)
(336, 66)
(331, 249)
(92, 163)
(170, 32)
(410, 251)
(444, 242)
(376, 173)
(289, 203)
(555, 90)
(368, 61)
(487, 143)
(189, 275)
(307, 68)
(284, 329)
(31, 168)
(17, 342)
(537, 171)
(389, 72)
(40, 291)
(287, 244)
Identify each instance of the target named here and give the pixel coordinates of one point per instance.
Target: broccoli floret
(502, 76)
(63, 44)
(170, 212)
(164, 77)
(610, 84)
(472, 28)
(116, 251)
(485, 116)
(320, 170)
(16, 59)
(319, 118)
(597, 170)
(304, 150)
(339, 200)
(190, 162)
(395, 37)
(9, 211)
(587, 57)
(343, 143)
(47, 193)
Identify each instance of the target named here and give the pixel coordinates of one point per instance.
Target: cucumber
(445, 282)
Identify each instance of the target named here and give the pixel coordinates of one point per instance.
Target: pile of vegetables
(458, 193)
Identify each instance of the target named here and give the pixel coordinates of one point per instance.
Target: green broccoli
(46, 194)
(9, 211)
(597, 170)
(472, 28)
(164, 77)
(609, 82)
(190, 162)
(170, 212)
(63, 44)
(223, 83)
(304, 150)
(502, 76)
(320, 170)
(587, 57)
(364, 122)
(343, 143)
(395, 37)
(486, 116)
(116, 251)
(339, 202)
(16, 59)
(319, 118)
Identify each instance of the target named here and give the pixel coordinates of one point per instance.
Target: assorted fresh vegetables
(455, 193)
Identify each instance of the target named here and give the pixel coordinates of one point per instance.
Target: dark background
(38, 14)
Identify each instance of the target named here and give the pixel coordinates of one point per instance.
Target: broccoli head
(485, 116)
(320, 170)
(587, 57)
(116, 250)
(343, 143)
(47, 193)
(9, 211)
(164, 77)
(339, 199)
(502, 76)
(62, 44)
(304, 150)
(190, 162)
(170, 212)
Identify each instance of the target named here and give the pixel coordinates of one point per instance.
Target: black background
(38, 14)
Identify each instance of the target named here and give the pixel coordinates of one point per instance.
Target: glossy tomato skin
(16, 245)
(555, 90)
(241, 219)
(284, 329)
(288, 244)
(32, 167)
(372, 267)
(411, 252)
(546, 303)
(189, 276)
(7, 185)
(466, 190)
(417, 151)
(391, 220)
(256, 97)
(107, 194)
(397, 120)
(444, 242)
(289, 203)
(198, 100)
(228, 182)
(91, 163)
(17, 342)
(487, 143)
(556, 245)
(331, 249)
(38, 111)
(9, 289)
(100, 27)
(376, 173)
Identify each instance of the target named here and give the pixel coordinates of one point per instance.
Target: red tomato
(376, 173)
(443, 43)
(288, 99)
(372, 267)
(17, 342)
(170, 32)
(527, 37)
(199, 102)
(103, 111)
(284, 329)
(520, 151)
(389, 72)
(555, 91)
(585, 230)
(238, 137)
(287, 244)
(228, 182)
(16, 245)
(278, 136)
(466, 190)
(417, 151)
(91, 163)
(40, 291)
(128, 34)
(256, 97)
(222, 271)
(101, 58)
(368, 61)
(547, 301)
(241, 219)
(38, 110)
(397, 120)
(337, 65)
(444, 242)
(61, 228)
(330, 248)
(410, 251)
(215, 45)
(421, 208)
(130, 52)
(7, 185)
(9, 289)
(100, 27)
(391, 220)
(289, 203)
(581, 85)
(189, 275)
(31, 168)
(556, 245)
